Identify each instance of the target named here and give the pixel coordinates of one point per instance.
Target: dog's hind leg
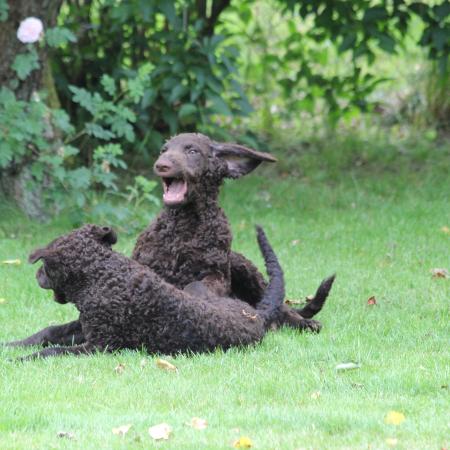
(68, 334)
(290, 318)
(247, 283)
(77, 350)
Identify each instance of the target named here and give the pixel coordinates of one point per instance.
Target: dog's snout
(163, 164)
(163, 167)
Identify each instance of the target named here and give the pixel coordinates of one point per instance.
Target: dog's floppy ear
(106, 234)
(37, 255)
(240, 159)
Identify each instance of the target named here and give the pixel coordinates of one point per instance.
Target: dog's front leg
(67, 334)
(77, 350)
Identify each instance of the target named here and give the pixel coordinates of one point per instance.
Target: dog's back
(130, 306)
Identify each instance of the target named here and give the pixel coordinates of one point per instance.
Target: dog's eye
(163, 150)
(193, 151)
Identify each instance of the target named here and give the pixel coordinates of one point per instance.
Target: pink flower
(30, 30)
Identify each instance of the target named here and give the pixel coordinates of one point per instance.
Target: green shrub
(43, 139)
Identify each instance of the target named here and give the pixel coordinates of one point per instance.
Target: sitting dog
(124, 304)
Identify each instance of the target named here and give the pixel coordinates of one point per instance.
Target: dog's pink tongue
(176, 191)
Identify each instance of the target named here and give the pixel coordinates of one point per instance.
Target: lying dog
(123, 304)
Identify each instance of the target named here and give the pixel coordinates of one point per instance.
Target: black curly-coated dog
(190, 240)
(124, 304)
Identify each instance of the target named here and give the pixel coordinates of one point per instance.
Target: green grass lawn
(381, 233)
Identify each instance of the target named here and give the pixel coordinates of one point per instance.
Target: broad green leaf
(348, 42)
(25, 63)
(386, 42)
(219, 106)
(68, 150)
(375, 13)
(214, 84)
(177, 93)
(122, 128)
(98, 131)
(108, 84)
(6, 153)
(84, 98)
(55, 37)
(61, 120)
(135, 89)
(80, 178)
(187, 109)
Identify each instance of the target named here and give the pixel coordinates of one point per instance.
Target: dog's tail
(317, 302)
(274, 293)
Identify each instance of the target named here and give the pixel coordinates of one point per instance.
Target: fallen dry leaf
(119, 368)
(293, 302)
(295, 242)
(394, 418)
(166, 365)
(122, 430)
(309, 298)
(243, 442)
(439, 273)
(12, 262)
(65, 434)
(250, 316)
(161, 431)
(198, 423)
(315, 395)
(372, 301)
(391, 442)
(445, 230)
(348, 366)
(2, 300)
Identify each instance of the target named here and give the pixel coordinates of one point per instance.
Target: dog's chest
(184, 252)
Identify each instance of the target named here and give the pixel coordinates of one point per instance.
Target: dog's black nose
(162, 167)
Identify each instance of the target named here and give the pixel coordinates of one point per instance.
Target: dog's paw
(311, 325)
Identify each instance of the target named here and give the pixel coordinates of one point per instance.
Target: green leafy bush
(42, 138)
(303, 58)
(192, 75)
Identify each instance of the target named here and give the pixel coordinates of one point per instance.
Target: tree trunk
(14, 180)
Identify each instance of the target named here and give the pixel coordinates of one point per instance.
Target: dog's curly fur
(124, 304)
(190, 242)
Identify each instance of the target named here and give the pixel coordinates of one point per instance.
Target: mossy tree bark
(15, 179)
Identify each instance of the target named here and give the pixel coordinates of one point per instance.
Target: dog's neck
(84, 273)
(204, 205)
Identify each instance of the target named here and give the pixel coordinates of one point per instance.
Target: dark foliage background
(112, 79)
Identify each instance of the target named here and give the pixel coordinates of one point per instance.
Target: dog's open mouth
(175, 190)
